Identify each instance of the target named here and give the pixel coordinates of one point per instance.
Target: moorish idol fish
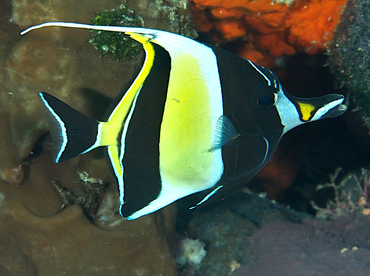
(196, 119)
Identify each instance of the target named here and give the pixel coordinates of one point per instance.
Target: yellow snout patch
(306, 110)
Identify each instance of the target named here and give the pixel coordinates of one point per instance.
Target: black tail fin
(72, 132)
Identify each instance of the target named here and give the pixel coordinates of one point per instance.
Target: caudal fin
(72, 132)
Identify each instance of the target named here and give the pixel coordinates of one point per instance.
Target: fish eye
(266, 101)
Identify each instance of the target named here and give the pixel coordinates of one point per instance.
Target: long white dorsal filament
(85, 26)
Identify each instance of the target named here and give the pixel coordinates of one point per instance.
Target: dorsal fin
(225, 132)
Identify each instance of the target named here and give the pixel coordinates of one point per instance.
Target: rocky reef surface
(348, 54)
(249, 235)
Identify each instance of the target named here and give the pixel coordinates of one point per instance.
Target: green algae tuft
(116, 45)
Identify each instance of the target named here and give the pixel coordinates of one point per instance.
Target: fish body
(196, 119)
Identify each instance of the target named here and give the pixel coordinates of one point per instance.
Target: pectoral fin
(225, 132)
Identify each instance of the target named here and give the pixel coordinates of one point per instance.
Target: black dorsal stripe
(235, 73)
(237, 77)
(141, 158)
(241, 84)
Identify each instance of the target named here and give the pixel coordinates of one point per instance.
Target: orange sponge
(272, 27)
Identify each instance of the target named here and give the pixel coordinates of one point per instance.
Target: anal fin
(223, 191)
